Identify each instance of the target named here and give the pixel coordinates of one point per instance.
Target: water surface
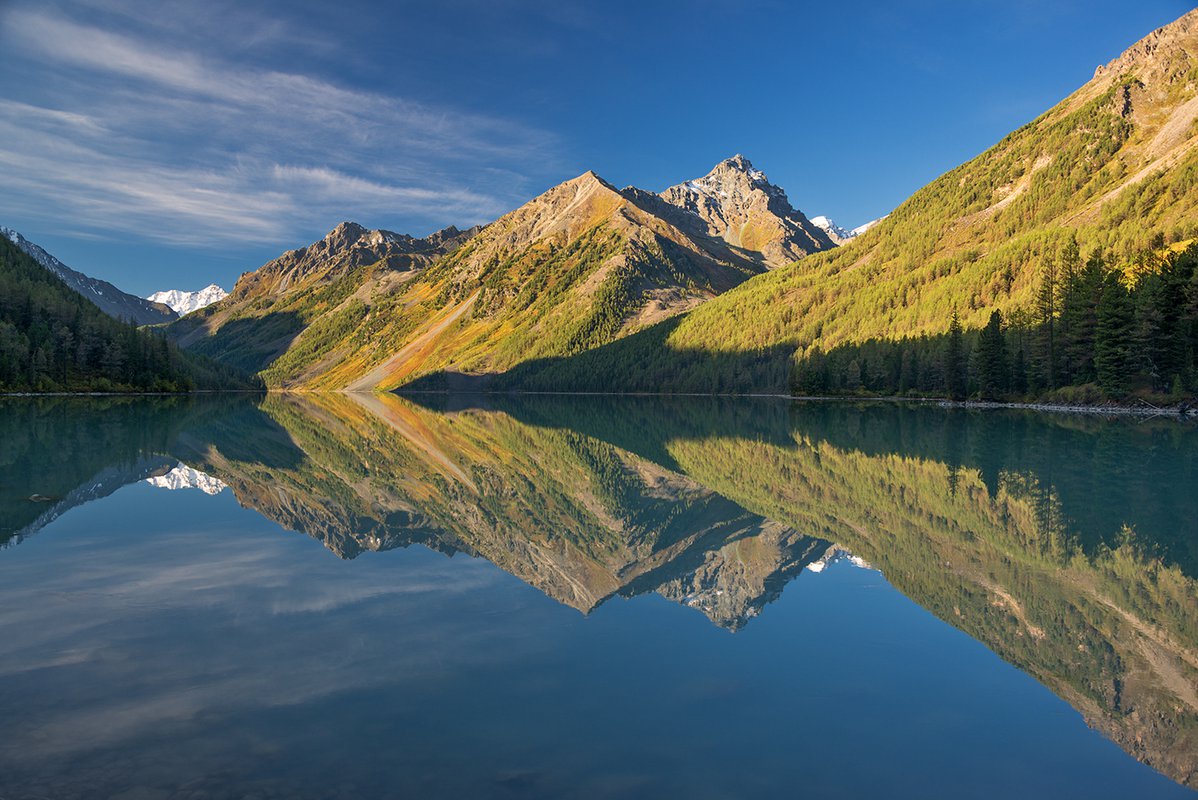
(339, 596)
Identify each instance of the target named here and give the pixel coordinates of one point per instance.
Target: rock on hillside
(741, 206)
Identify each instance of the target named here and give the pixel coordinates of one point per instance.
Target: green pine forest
(1054, 266)
(1093, 334)
(52, 339)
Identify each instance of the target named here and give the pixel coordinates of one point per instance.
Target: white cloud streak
(125, 134)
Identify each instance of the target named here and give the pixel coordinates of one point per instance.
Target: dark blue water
(535, 610)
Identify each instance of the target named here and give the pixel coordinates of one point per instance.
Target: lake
(331, 596)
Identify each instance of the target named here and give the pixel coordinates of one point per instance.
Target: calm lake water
(342, 597)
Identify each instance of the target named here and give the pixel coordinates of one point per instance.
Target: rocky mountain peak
(347, 247)
(1166, 50)
(345, 233)
(740, 206)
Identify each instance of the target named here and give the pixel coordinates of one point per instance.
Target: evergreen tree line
(52, 339)
(1094, 333)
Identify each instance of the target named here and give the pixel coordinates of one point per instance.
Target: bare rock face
(345, 248)
(1161, 54)
(739, 205)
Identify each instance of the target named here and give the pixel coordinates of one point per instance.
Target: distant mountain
(577, 267)
(1112, 165)
(182, 476)
(743, 208)
(838, 234)
(52, 339)
(109, 299)
(183, 303)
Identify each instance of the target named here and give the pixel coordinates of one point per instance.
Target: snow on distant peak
(834, 231)
(184, 477)
(838, 234)
(860, 229)
(836, 555)
(186, 302)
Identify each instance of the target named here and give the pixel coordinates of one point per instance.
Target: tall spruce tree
(1079, 308)
(1113, 337)
(955, 379)
(1068, 272)
(1046, 318)
(992, 359)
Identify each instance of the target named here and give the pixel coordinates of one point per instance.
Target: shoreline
(1180, 412)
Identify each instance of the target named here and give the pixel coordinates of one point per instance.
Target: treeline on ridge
(1094, 334)
(52, 339)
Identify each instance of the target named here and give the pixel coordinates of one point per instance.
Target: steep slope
(184, 302)
(1114, 164)
(301, 302)
(741, 206)
(53, 340)
(574, 268)
(577, 267)
(109, 299)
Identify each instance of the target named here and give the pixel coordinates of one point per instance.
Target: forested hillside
(53, 340)
(1110, 175)
(580, 265)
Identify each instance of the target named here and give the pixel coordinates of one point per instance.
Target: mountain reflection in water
(1066, 545)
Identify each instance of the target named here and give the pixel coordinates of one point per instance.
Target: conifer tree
(1112, 344)
(992, 359)
(1046, 317)
(954, 360)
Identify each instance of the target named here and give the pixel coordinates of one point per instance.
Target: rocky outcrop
(739, 205)
(347, 247)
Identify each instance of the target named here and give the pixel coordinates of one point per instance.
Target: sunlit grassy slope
(1114, 164)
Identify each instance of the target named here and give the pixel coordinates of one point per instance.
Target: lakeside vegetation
(1095, 334)
(52, 339)
(1101, 174)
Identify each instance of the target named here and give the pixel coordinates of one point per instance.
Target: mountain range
(718, 283)
(581, 265)
(184, 302)
(109, 299)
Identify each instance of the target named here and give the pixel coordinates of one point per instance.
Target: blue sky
(171, 144)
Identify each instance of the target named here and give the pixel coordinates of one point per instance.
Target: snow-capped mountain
(184, 477)
(109, 299)
(186, 302)
(834, 231)
(835, 555)
(841, 235)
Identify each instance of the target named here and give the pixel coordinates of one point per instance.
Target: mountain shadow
(660, 368)
(249, 343)
(60, 452)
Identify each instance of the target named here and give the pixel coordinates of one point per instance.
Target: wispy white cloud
(110, 622)
(133, 129)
